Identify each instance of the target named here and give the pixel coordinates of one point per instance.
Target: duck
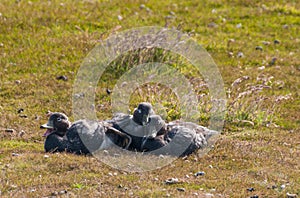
(180, 139)
(139, 126)
(81, 137)
(88, 136)
(57, 127)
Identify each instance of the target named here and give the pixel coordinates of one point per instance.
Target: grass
(259, 146)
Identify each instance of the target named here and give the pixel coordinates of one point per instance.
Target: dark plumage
(55, 143)
(138, 132)
(86, 136)
(141, 125)
(153, 143)
(57, 127)
(181, 139)
(143, 131)
(82, 137)
(142, 113)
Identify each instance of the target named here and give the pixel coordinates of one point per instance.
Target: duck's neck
(61, 133)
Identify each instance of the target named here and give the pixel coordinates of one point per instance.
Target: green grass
(259, 146)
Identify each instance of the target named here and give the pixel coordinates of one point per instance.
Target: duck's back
(184, 141)
(187, 137)
(126, 124)
(85, 136)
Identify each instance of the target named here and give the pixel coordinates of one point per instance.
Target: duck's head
(57, 123)
(142, 113)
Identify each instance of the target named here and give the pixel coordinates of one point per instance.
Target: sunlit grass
(259, 146)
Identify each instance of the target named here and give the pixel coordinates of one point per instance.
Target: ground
(255, 45)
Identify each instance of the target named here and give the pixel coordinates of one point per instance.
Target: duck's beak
(49, 127)
(46, 126)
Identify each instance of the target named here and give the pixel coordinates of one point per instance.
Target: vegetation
(255, 45)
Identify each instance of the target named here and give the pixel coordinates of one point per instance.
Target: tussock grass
(259, 146)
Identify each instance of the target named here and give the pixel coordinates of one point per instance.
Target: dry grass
(259, 147)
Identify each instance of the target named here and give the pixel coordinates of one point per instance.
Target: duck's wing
(85, 136)
(154, 145)
(119, 118)
(184, 141)
(119, 121)
(137, 132)
(187, 137)
(118, 137)
(207, 133)
(124, 123)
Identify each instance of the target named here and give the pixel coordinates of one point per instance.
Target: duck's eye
(58, 119)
